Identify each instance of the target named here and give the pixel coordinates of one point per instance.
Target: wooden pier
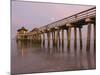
(53, 30)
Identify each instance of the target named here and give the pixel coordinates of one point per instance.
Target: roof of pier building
(35, 30)
(22, 28)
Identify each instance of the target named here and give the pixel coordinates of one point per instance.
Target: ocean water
(32, 57)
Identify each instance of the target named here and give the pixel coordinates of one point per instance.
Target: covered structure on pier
(34, 34)
(22, 33)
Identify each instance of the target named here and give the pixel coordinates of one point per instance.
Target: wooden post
(68, 37)
(88, 21)
(80, 36)
(59, 37)
(62, 37)
(53, 38)
(75, 38)
(48, 36)
(94, 37)
(56, 38)
(40, 38)
(88, 37)
(43, 39)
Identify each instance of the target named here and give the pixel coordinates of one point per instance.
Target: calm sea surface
(30, 57)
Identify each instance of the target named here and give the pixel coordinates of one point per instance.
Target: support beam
(43, 39)
(75, 38)
(62, 37)
(80, 37)
(94, 27)
(53, 38)
(40, 38)
(48, 37)
(68, 38)
(88, 37)
(59, 37)
(56, 38)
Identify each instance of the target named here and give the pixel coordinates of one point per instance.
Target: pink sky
(33, 14)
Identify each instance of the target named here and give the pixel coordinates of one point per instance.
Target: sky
(37, 14)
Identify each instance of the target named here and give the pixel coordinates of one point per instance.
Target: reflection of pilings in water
(75, 46)
(68, 38)
(88, 37)
(75, 38)
(48, 37)
(81, 59)
(22, 43)
(48, 51)
(62, 48)
(80, 36)
(62, 38)
(89, 60)
(75, 58)
(22, 46)
(30, 43)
